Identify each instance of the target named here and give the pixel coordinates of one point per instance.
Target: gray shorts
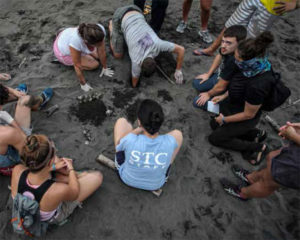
(117, 37)
(11, 109)
(64, 211)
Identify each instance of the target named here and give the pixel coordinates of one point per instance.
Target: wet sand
(193, 204)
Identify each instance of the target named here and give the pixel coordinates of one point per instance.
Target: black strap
(37, 192)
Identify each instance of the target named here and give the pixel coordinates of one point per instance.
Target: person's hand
(287, 132)
(219, 119)
(5, 76)
(203, 77)
(294, 125)
(59, 163)
(18, 94)
(219, 98)
(203, 98)
(178, 76)
(284, 6)
(106, 72)
(69, 163)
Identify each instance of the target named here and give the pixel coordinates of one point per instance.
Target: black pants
(158, 12)
(238, 136)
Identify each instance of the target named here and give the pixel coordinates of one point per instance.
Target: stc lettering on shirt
(148, 159)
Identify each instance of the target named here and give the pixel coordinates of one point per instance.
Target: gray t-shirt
(142, 41)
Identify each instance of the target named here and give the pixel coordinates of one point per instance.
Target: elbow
(249, 116)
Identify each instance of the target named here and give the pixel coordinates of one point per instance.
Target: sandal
(258, 157)
(261, 136)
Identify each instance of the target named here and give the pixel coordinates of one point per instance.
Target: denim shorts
(11, 158)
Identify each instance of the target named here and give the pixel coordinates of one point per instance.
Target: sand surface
(193, 204)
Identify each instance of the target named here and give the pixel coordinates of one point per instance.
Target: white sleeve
(166, 46)
(6, 117)
(135, 70)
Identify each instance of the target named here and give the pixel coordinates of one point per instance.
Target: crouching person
(283, 169)
(49, 181)
(143, 156)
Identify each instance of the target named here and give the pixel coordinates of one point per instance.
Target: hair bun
(32, 144)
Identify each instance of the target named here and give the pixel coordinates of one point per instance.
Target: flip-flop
(200, 52)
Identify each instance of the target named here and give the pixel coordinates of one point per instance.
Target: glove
(6, 117)
(86, 87)
(106, 72)
(178, 76)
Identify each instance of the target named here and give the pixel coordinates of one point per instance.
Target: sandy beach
(193, 204)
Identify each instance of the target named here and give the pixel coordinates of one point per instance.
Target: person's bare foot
(203, 52)
(5, 76)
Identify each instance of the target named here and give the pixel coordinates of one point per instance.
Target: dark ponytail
(251, 48)
(151, 116)
(91, 33)
(4, 94)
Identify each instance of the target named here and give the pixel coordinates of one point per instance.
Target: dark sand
(193, 204)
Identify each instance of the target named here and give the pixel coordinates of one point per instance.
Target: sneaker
(86, 87)
(240, 173)
(232, 189)
(46, 95)
(181, 27)
(205, 36)
(22, 88)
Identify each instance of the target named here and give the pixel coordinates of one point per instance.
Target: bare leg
(23, 112)
(257, 175)
(88, 62)
(89, 183)
(116, 55)
(121, 129)
(186, 7)
(178, 136)
(263, 185)
(205, 11)
(215, 45)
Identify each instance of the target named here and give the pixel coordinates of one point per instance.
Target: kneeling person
(143, 157)
(129, 24)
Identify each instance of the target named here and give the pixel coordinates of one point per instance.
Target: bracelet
(223, 120)
(53, 167)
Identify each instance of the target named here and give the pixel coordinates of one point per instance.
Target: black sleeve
(228, 69)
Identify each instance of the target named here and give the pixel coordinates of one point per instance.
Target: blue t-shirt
(146, 160)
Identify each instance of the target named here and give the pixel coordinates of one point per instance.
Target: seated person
(13, 131)
(57, 197)
(81, 47)
(283, 169)
(129, 24)
(234, 128)
(206, 81)
(143, 157)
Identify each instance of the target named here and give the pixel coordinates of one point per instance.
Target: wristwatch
(223, 120)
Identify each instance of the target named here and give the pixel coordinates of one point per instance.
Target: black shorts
(285, 167)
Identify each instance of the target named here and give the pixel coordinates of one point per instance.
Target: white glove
(106, 72)
(178, 76)
(6, 117)
(86, 87)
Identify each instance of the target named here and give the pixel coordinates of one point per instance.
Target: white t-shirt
(71, 38)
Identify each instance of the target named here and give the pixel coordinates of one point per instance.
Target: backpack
(278, 94)
(26, 217)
